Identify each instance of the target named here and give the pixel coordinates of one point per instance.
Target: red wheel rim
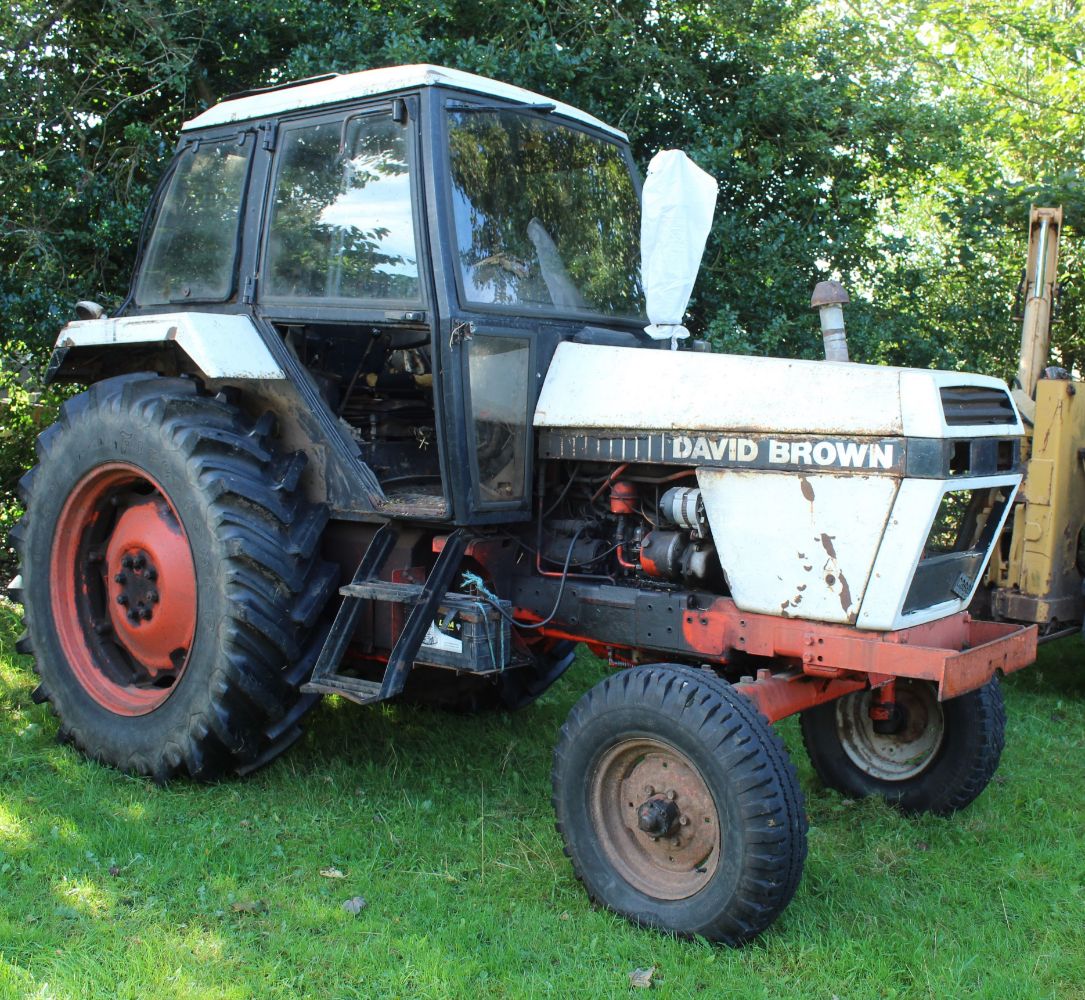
(123, 589)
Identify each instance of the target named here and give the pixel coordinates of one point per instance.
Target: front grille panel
(957, 546)
(976, 404)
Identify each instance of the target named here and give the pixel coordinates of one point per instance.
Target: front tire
(938, 761)
(171, 581)
(678, 805)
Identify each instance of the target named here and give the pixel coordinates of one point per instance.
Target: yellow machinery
(1035, 575)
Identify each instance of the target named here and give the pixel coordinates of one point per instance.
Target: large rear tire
(938, 760)
(678, 804)
(171, 580)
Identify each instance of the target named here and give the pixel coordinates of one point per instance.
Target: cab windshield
(547, 217)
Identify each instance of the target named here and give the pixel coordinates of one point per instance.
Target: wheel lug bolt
(151, 574)
(127, 562)
(139, 562)
(122, 599)
(153, 597)
(649, 790)
(672, 794)
(684, 820)
(121, 578)
(147, 614)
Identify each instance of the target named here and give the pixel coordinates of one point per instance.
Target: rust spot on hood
(827, 544)
(807, 489)
(845, 594)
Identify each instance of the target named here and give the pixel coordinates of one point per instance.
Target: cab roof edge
(337, 88)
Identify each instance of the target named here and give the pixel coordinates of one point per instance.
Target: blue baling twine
(474, 580)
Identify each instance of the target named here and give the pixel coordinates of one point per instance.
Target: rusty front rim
(123, 589)
(893, 756)
(655, 818)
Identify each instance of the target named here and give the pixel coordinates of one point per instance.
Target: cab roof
(370, 83)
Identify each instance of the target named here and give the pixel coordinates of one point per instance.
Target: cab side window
(342, 223)
(191, 255)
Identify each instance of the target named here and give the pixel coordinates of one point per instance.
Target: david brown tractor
(382, 417)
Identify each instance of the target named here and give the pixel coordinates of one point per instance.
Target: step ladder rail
(346, 619)
(422, 614)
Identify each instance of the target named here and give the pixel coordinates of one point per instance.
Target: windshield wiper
(543, 108)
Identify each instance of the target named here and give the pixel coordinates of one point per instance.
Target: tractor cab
(419, 241)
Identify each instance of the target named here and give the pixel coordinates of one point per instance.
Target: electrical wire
(491, 599)
(561, 496)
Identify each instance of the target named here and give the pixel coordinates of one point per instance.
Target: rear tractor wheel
(932, 757)
(678, 804)
(170, 580)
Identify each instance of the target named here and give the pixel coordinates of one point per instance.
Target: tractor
(399, 405)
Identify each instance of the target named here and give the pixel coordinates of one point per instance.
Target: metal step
(347, 616)
(383, 590)
(354, 688)
(422, 614)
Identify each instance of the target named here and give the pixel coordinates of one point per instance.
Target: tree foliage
(895, 145)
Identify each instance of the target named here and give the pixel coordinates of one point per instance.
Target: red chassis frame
(815, 662)
(823, 662)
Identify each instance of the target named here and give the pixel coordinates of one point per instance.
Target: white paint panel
(221, 346)
(801, 551)
(921, 405)
(906, 531)
(623, 388)
(638, 389)
(373, 82)
(905, 535)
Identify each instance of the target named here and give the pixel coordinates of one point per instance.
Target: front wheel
(936, 758)
(678, 804)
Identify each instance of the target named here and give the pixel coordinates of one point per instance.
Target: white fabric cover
(677, 204)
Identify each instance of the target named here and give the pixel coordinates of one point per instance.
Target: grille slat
(976, 404)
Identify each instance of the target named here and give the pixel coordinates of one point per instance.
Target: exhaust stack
(829, 298)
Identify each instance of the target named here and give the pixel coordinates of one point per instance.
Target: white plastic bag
(677, 205)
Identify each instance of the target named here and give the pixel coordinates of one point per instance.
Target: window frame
(242, 137)
(449, 103)
(316, 308)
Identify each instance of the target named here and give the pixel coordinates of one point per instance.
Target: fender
(219, 345)
(222, 348)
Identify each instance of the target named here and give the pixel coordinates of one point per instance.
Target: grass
(113, 887)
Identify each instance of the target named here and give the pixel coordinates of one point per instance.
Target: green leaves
(896, 146)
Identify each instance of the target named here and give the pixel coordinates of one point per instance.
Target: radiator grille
(976, 404)
(957, 546)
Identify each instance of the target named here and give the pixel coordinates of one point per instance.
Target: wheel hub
(151, 585)
(901, 747)
(655, 817)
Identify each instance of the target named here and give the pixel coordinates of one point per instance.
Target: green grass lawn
(113, 887)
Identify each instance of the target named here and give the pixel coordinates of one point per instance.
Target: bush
(27, 407)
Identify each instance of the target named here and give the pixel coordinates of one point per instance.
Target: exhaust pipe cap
(829, 293)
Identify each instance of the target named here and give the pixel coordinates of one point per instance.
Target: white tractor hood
(821, 482)
(630, 389)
